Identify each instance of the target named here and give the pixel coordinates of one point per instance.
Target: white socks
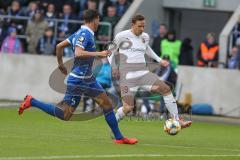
(171, 105)
(119, 114)
(169, 101)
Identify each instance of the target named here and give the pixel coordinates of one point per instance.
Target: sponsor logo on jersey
(136, 50)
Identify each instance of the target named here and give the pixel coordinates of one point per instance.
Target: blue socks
(113, 124)
(48, 108)
(57, 112)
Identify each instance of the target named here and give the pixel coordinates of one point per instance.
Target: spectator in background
(238, 46)
(157, 40)
(5, 4)
(234, 61)
(15, 10)
(102, 7)
(90, 4)
(236, 31)
(80, 6)
(186, 54)
(65, 27)
(35, 29)
(2, 11)
(43, 4)
(12, 44)
(46, 44)
(171, 47)
(32, 7)
(3, 28)
(24, 3)
(122, 6)
(57, 3)
(50, 15)
(103, 34)
(208, 52)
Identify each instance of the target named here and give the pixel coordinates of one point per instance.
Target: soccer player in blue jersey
(80, 79)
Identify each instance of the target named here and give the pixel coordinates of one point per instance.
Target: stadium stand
(63, 19)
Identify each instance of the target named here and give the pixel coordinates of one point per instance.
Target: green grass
(36, 134)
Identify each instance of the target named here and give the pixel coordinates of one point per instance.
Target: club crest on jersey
(81, 39)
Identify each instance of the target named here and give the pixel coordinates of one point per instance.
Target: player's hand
(63, 69)
(164, 63)
(105, 53)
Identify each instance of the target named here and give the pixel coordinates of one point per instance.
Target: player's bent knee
(166, 90)
(128, 108)
(163, 89)
(104, 102)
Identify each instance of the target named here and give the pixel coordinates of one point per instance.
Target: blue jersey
(80, 80)
(83, 38)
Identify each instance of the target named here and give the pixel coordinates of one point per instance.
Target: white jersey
(134, 54)
(132, 50)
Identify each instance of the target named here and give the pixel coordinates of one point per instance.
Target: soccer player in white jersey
(132, 45)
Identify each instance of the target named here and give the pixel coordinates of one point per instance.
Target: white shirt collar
(89, 29)
(134, 34)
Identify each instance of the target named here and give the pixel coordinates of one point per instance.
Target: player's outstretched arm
(154, 56)
(59, 53)
(80, 52)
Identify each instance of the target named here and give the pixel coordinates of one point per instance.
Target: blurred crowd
(35, 21)
(181, 52)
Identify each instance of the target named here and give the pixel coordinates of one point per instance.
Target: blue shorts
(76, 87)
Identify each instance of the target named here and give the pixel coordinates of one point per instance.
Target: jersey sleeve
(117, 40)
(147, 38)
(152, 54)
(112, 57)
(82, 40)
(70, 39)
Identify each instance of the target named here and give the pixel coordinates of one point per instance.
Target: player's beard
(139, 33)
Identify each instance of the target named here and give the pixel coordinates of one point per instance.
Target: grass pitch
(35, 135)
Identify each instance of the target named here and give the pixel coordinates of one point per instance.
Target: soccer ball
(172, 127)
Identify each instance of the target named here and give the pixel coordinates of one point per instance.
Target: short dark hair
(48, 29)
(164, 25)
(94, 1)
(137, 17)
(89, 15)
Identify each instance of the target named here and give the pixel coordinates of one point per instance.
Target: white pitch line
(110, 156)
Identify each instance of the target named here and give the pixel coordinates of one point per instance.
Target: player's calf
(161, 88)
(67, 111)
(128, 105)
(64, 112)
(170, 102)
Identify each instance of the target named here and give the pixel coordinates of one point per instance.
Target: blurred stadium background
(205, 86)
